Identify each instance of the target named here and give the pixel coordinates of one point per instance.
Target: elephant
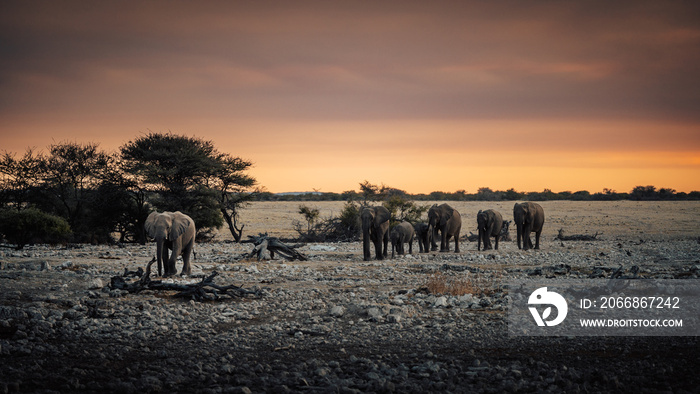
(172, 231)
(505, 231)
(489, 223)
(401, 233)
(375, 228)
(528, 217)
(447, 220)
(424, 236)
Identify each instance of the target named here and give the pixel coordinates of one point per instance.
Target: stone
(337, 311)
(95, 284)
(374, 312)
(393, 318)
(440, 302)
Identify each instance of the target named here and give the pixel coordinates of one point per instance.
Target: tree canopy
(188, 174)
(100, 194)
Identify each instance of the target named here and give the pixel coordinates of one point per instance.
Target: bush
(345, 228)
(402, 209)
(31, 225)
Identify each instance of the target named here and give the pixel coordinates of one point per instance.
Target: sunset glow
(421, 96)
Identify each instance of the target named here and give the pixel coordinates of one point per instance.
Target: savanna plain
(432, 322)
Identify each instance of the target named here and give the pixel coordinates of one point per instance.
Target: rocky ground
(331, 324)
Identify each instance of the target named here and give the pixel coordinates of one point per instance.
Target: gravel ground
(331, 324)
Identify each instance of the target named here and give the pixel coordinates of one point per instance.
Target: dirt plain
(336, 323)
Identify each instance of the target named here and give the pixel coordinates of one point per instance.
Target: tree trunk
(231, 220)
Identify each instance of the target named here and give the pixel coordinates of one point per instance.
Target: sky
(418, 95)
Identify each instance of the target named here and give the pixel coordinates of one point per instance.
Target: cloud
(399, 59)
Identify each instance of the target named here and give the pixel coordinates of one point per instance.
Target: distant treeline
(639, 193)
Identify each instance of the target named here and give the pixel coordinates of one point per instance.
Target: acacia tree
(188, 174)
(127, 198)
(19, 178)
(71, 173)
(234, 191)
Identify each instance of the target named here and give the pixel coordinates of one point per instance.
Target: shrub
(33, 226)
(403, 209)
(344, 228)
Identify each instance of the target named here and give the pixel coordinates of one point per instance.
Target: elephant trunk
(366, 240)
(432, 234)
(481, 235)
(160, 245)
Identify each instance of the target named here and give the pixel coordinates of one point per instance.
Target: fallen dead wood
(575, 237)
(264, 242)
(206, 290)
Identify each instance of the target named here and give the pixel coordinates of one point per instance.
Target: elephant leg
(366, 252)
(172, 263)
(378, 248)
(478, 242)
(386, 244)
(444, 238)
(410, 246)
(433, 240)
(166, 261)
(496, 243)
(487, 237)
(457, 242)
(393, 248)
(537, 239)
(527, 242)
(186, 267)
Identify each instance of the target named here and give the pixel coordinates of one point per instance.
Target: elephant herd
(175, 232)
(445, 222)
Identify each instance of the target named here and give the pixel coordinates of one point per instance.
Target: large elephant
(528, 217)
(425, 236)
(375, 228)
(400, 234)
(172, 231)
(489, 223)
(447, 220)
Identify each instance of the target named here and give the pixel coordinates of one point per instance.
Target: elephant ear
(447, 214)
(381, 216)
(150, 225)
(180, 223)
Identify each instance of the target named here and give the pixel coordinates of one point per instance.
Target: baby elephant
(402, 232)
(424, 236)
(489, 223)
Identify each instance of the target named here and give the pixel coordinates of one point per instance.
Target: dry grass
(464, 283)
(614, 219)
